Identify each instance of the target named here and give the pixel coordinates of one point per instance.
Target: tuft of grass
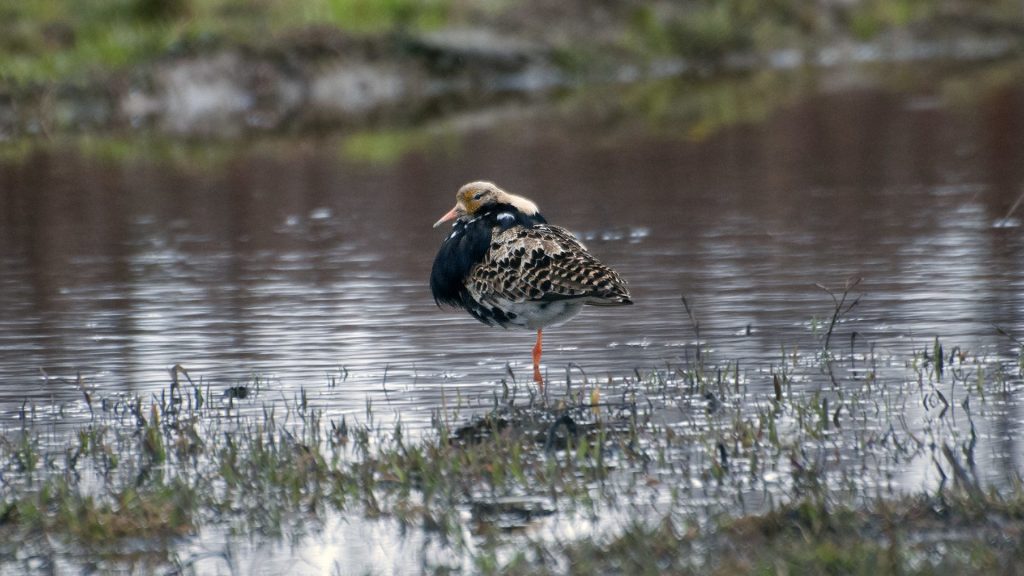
(699, 467)
(906, 536)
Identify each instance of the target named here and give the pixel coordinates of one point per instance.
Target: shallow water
(305, 263)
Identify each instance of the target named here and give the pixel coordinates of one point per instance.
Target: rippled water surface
(305, 263)
(302, 264)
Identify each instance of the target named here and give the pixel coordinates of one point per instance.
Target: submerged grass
(699, 467)
(941, 534)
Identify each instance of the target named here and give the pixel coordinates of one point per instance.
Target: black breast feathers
(467, 246)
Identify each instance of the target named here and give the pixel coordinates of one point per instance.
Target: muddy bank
(321, 79)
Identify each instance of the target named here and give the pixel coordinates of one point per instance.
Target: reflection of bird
(507, 266)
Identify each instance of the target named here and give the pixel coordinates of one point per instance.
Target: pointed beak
(450, 215)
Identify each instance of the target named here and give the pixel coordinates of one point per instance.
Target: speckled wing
(543, 263)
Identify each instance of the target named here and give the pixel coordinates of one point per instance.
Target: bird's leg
(536, 360)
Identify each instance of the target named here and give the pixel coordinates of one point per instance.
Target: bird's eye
(478, 195)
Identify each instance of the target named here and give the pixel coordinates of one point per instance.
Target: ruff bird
(506, 266)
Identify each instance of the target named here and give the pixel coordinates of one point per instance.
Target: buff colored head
(476, 195)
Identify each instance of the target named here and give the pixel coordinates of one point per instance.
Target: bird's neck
(524, 205)
(507, 214)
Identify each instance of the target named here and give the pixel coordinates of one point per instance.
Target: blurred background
(247, 188)
(224, 68)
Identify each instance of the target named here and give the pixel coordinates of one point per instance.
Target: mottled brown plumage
(543, 263)
(507, 266)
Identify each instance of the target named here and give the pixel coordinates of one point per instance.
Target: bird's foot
(536, 362)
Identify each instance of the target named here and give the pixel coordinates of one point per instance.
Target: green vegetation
(680, 108)
(948, 533)
(710, 29)
(61, 40)
(227, 67)
(700, 467)
(389, 146)
(50, 40)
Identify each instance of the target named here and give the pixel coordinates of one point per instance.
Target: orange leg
(536, 360)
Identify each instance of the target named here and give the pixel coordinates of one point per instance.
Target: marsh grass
(49, 40)
(699, 467)
(706, 31)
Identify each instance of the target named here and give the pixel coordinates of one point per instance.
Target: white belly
(537, 315)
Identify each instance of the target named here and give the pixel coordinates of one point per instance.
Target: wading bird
(505, 265)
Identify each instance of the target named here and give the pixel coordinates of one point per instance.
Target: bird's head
(476, 196)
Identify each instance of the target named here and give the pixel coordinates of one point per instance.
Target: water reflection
(298, 265)
(306, 266)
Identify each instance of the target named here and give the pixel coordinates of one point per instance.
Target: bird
(505, 265)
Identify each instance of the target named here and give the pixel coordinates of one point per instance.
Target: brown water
(296, 262)
(304, 262)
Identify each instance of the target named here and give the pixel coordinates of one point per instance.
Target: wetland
(221, 356)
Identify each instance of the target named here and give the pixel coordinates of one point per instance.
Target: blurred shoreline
(321, 78)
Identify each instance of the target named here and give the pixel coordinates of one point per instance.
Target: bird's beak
(450, 215)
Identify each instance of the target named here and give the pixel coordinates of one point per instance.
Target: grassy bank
(687, 108)
(227, 69)
(703, 467)
(61, 40)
